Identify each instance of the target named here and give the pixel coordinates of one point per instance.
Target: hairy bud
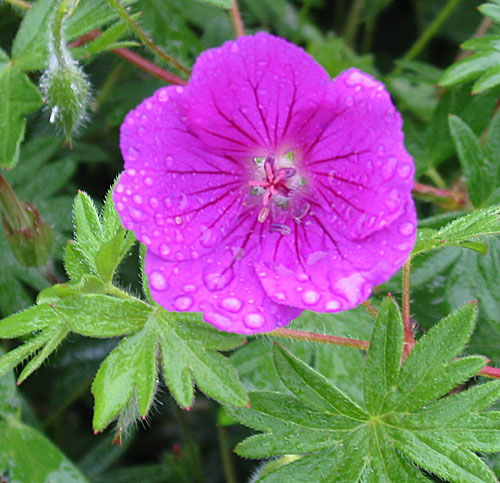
(64, 85)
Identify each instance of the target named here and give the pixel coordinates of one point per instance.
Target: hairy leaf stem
(226, 455)
(321, 338)
(122, 12)
(239, 29)
(429, 32)
(486, 371)
(409, 339)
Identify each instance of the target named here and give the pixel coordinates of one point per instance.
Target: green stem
(433, 174)
(429, 32)
(188, 438)
(108, 85)
(321, 338)
(226, 456)
(302, 19)
(353, 21)
(118, 7)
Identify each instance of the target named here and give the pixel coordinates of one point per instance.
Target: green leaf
(425, 374)
(219, 3)
(19, 98)
(384, 357)
(75, 262)
(126, 381)
(406, 423)
(480, 173)
(88, 229)
(18, 458)
(30, 44)
(10, 404)
(129, 371)
(188, 349)
(97, 315)
(462, 232)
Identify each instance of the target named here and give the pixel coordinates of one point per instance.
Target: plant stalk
(239, 29)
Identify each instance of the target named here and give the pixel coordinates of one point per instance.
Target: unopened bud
(64, 85)
(30, 238)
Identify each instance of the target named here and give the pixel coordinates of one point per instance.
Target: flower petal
(178, 197)
(228, 292)
(317, 269)
(352, 155)
(244, 95)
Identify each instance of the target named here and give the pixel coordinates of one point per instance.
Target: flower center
(277, 182)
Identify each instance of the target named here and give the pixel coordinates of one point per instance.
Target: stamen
(263, 214)
(281, 228)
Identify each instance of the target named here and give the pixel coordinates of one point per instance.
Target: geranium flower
(264, 188)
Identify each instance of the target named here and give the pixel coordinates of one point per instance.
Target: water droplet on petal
(280, 296)
(407, 229)
(217, 278)
(153, 202)
(158, 281)
(137, 199)
(137, 215)
(131, 154)
(146, 240)
(183, 302)
(310, 297)
(403, 247)
(389, 167)
(179, 89)
(302, 277)
(333, 305)
(231, 304)
(189, 288)
(404, 170)
(219, 320)
(254, 321)
(131, 172)
(148, 181)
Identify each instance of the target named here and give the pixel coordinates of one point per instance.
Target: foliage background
(176, 445)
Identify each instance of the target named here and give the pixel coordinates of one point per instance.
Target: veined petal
(318, 269)
(227, 291)
(352, 155)
(244, 95)
(180, 198)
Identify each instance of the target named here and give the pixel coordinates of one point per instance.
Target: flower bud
(30, 238)
(64, 85)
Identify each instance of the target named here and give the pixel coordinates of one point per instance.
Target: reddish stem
(322, 338)
(149, 67)
(239, 30)
(133, 58)
(489, 371)
(409, 339)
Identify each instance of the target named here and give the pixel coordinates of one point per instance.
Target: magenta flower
(264, 188)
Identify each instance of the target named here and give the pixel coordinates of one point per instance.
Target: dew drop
(310, 297)
(120, 206)
(254, 321)
(231, 304)
(219, 320)
(131, 172)
(164, 250)
(189, 288)
(208, 237)
(120, 188)
(137, 199)
(332, 305)
(302, 277)
(216, 278)
(153, 202)
(404, 171)
(158, 280)
(163, 95)
(183, 302)
(389, 167)
(179, 89)
(137, 215)
(148, 181)
(280, 296)
(407, 229)
(132, 154)
(403, 247)
(146, 240)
